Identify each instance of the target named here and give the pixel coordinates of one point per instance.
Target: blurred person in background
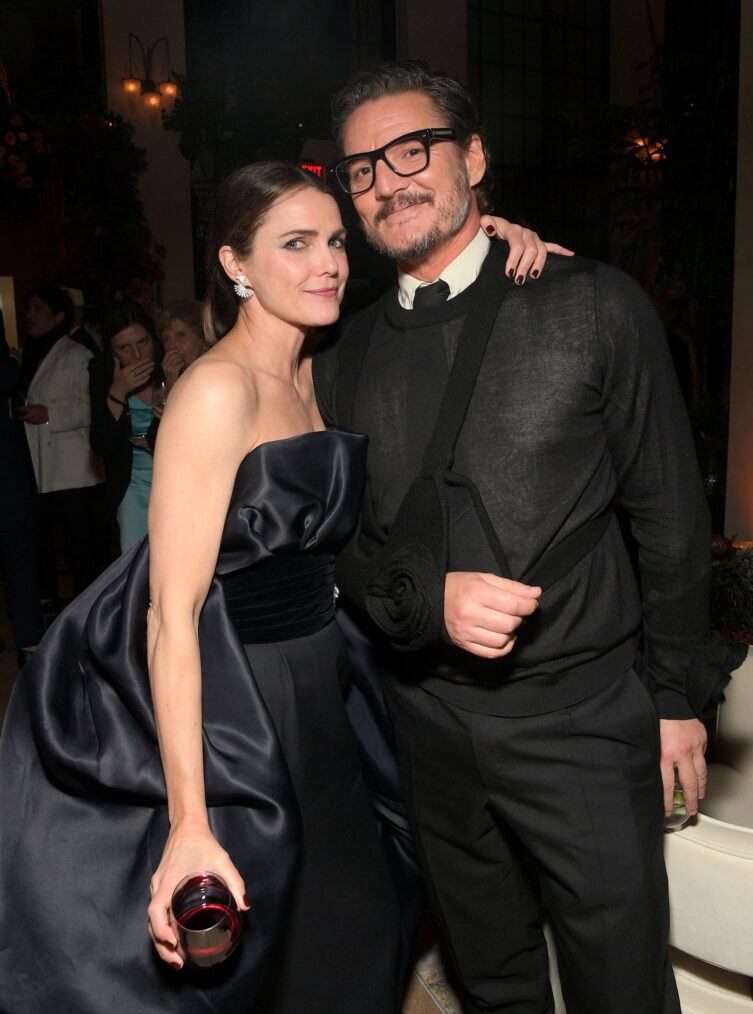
(180, 330)
(48, 317)
(56, 415)
(17, 551)
(127, 386)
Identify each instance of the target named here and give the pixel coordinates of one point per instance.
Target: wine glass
(159, 394)
(679, 816)
(207, 921)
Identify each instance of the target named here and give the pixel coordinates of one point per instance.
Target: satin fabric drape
(83, 818)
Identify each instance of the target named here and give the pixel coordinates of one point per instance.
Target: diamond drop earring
(241, 289)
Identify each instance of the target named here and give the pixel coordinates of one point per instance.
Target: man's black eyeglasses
(406, 156)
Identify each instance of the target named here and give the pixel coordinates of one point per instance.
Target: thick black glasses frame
(425, 136)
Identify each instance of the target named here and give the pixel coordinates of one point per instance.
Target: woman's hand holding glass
(204, 915)
(173, 363)
(190, 847)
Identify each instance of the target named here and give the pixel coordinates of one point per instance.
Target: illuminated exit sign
(313, 167)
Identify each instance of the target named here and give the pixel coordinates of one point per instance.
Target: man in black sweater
(539, 698)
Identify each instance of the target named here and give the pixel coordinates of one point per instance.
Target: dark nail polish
(510, 272)
(174, 964)
(246, 902)
(519, 280)
(489, 230)
(535, 273)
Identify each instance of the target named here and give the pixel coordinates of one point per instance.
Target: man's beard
(453, 212)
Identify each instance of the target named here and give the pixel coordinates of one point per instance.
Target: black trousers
(81, 514)
(18, 559)
(561, 811)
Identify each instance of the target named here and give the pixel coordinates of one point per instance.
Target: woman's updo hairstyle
(243, 200)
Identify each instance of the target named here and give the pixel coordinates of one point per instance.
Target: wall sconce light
(643, 147)
(154, 85)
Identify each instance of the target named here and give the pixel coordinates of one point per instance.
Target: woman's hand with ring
(132, 377)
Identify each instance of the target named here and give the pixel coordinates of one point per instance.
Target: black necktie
(431, 295)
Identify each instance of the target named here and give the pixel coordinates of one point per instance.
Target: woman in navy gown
(245, 764)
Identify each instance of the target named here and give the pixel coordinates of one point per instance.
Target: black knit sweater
(576, 402)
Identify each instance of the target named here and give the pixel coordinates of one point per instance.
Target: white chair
(710, 870)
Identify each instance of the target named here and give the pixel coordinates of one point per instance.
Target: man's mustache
(402, 201)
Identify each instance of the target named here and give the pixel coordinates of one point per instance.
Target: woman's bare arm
(206, 430)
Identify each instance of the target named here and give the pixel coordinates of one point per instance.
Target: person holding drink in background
(52, 401)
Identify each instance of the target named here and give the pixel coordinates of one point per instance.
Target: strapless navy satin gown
(82, 797)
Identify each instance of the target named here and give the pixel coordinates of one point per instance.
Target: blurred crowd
(80, 405)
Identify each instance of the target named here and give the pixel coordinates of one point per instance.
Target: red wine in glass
(206, 918)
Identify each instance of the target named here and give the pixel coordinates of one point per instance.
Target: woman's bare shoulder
(213, 380)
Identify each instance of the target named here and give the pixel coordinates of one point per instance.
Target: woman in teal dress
(126, 386)
(133, 507)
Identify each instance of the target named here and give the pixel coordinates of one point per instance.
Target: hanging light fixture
(169, 90)
(154, 85)
(132, 87)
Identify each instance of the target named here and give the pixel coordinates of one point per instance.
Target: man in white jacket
(56, 418)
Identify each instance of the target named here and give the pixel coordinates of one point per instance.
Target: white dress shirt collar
(458, 274)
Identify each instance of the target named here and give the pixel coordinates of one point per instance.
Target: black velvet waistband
(282, 597)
